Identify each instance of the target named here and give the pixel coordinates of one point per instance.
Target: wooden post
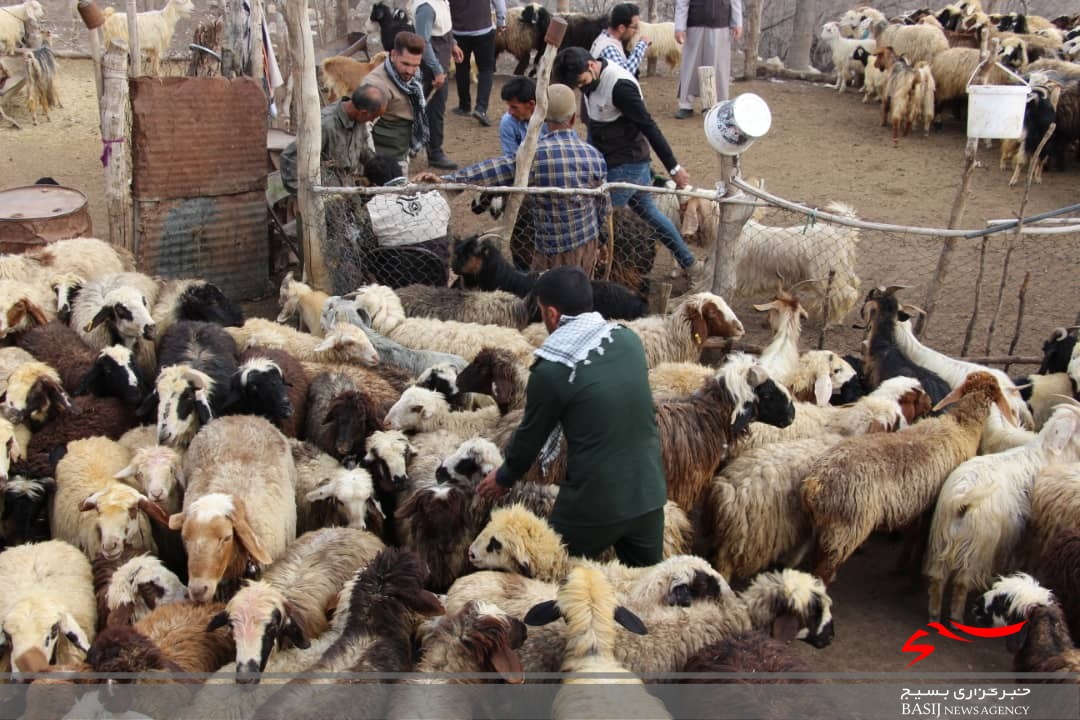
(133, 39)
(308, 143)
(751, 37)
(255, 51)
(95, 55)
(650, 12)
(525, 154)
(115, 136)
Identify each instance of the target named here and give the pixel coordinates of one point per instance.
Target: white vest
(598, 103)
(443, 25)
(602, 41)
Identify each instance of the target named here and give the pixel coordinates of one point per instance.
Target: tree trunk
(751, 37)
(802, 35)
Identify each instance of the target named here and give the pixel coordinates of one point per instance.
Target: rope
(108, 150)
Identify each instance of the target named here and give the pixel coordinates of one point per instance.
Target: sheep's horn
(1059, 334)
(891, 290)
(805, 282)
(196, 378)
(913, 309)
(1066, 398)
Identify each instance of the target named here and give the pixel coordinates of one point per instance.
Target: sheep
(115, 310)
(423, 410)
(1058, 350)
(952, 69)
(982, 509)
(194, 300)
(387, 315)
(47, 610)
(909, 93)
(843, 50)
(522, 36)
(481, 265)
(917, 43)
(1042, 393)
(821, 377)
(386, 598)
(343, 343)
(483, 308)
(34, 395)
(413, 361)
(66, 287)
(329, 494)
(1064, 96)
(662, 43)
(697, 433)
(752, 515)
(678, 337)
(855, 23)
(22, 306)
(155, 30)
(41, 92)
(24, 510)
(341, 75)
(14, 439)
(442, 378)
(479, 638)
(588, 604)
(232, 464)
(678, 379)
(135, 589)
(1046, 646)
(1058, 576)
(83, 257)
(873, 79)
(184, 406)
(288, 604)
(891, 479)
(155, 471)
(1055, 504)
(13, 21)
(93, 511)
(300, 300)
(781, 356)
(273, 384)
(340, 415)
(10, 360)
(436, 524)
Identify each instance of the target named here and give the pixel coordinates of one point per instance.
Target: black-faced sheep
(115, 310)
(329, 494)
(79, 366)
(24, 510)
(340, 415)
(197, 300)
(525, 28)
(271, 383)
(129, 589)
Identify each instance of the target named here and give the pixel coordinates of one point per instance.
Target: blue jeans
(642, 204)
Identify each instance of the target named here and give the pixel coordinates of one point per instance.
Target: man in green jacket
(592, 379)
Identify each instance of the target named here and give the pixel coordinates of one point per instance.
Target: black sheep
(273, 384)
(390, 22)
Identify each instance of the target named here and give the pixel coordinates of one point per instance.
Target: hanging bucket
(996, 111)
(91, 14)
(733, 125)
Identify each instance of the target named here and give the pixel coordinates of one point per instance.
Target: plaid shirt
(630, 62)
(563, 222)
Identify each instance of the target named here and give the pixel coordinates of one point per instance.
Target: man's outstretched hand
(490, 490)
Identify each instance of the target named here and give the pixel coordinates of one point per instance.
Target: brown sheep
(341, 75)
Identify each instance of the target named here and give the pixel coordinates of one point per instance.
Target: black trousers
(436, 106)
(483, 47)
(638, 542)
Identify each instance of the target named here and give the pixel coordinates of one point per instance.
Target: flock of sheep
(187, 490)
(920, 64)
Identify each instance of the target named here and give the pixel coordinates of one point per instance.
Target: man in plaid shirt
(566, 227)
(624, 24)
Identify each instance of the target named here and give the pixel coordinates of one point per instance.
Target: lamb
(13, 23)
(155, 28)
(135, 589)
(205, 348)
(873, 79)
(435, 522)
(982, 509)
(422, 410)
(413, 361)
(34, 395)
(47, 610)
(917, 43)
(340, 415)
(234, 462)
(587, 602)
(385, 601)
(483, 308)
(796, 253)
(843, 50)
(330, 495)
(821, 377)
(387, 315)
(341, 75)
(271, 383)
(891, 479)
(663, 45)
(300, 300)
(194, 299)
(1046, 646)
(287, 606)
(343, 343)
(173, 638)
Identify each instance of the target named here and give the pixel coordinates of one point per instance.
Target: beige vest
(443, 24)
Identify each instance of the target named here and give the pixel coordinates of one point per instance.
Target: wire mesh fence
(1000, 295)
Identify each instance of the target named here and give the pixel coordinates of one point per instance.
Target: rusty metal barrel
(35, 215)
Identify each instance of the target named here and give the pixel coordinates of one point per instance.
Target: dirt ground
(821, 147)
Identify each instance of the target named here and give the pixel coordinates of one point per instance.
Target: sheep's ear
(630, 621)
(103, 315)
(55, 392)
(89, 379)
(320, 493)
(35, 312)
(425, 412)
(125, 473)
(785, 627)
(1060, 435)
(218, 621)
(202, 409)
(246, 535)
(427, 604)
(543, 613)
(293, 632)
(176, 522)
(823, 389)
(148, 407)
(90, 502)
(73, 632)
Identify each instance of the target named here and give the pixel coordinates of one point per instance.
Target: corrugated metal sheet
(195, 137)
(222, 239)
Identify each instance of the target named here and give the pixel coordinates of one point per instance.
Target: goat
(155, 27)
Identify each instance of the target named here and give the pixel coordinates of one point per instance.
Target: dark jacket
(614, 469)
(709, 13)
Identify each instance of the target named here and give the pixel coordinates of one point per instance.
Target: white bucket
(996, 111)
(733, 125)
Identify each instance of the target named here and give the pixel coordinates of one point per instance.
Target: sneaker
(482, 118)
(683, 113)
(441, 161)
(462, 111)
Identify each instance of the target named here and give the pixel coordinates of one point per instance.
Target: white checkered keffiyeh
(569, 345)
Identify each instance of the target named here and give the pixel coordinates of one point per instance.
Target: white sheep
(155, 471)
(13, 19)
(663, 45)
(918, 43)
(843, 50)
(95, 512)
(115, 310)
(343, 343)
(678, 378)
(320, 478)
(1055, 509)
(235, 463)
(678, 337)
(819, 375)
(138, 587)
(422, 410)
(983, 507)
(155, 28)
(387, 315)
(855, 23)
(47, 610)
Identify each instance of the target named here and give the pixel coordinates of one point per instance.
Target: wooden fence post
(308, 143)
(115, 138)
(751, 37)
(133, 39)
